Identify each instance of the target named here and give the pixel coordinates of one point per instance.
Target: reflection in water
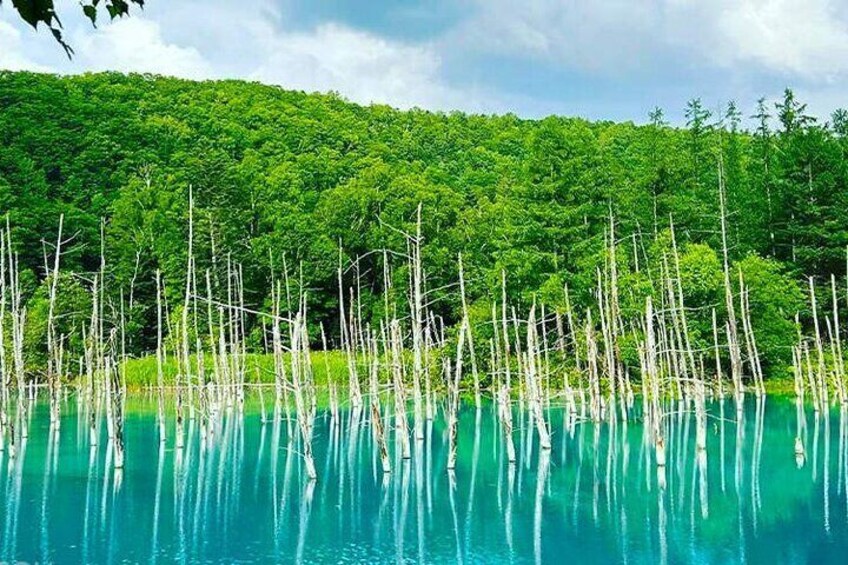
(236, 490)
(13, 483)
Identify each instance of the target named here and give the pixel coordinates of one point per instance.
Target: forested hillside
(287, 179)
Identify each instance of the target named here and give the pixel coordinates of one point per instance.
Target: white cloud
(582, 34)
(136, 44)
(252, 40)
(12, 53)
(807, 40)
(363, 67)
(662, 50)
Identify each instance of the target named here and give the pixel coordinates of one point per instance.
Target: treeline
(300, 182)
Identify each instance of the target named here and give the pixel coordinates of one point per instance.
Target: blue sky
(601, 59)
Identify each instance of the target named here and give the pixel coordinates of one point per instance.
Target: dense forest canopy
(287, 179)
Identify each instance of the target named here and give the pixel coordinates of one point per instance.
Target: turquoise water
(597, 498)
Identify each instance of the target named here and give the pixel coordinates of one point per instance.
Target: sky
(599, 59)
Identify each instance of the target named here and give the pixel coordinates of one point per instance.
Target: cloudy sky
(609, 59)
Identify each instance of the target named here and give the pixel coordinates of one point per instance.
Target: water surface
(597, 497)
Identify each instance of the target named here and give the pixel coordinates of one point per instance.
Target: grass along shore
(326, 365)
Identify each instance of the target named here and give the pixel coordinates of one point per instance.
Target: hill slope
(279, 175)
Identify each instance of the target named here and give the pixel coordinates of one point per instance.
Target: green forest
(296, 182)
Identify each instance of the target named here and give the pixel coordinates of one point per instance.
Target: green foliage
(701, 278)
(71, 313)
(775, 298)
(287, 178)
(326, 366)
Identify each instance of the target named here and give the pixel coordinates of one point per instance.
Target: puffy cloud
(12, 53)
(808, 40)
(607, 58)
(582, 34)
(253, 40)
(363, 67)
(136, 45)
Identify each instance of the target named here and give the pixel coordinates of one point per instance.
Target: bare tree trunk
(732, 333)
(160, 361)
